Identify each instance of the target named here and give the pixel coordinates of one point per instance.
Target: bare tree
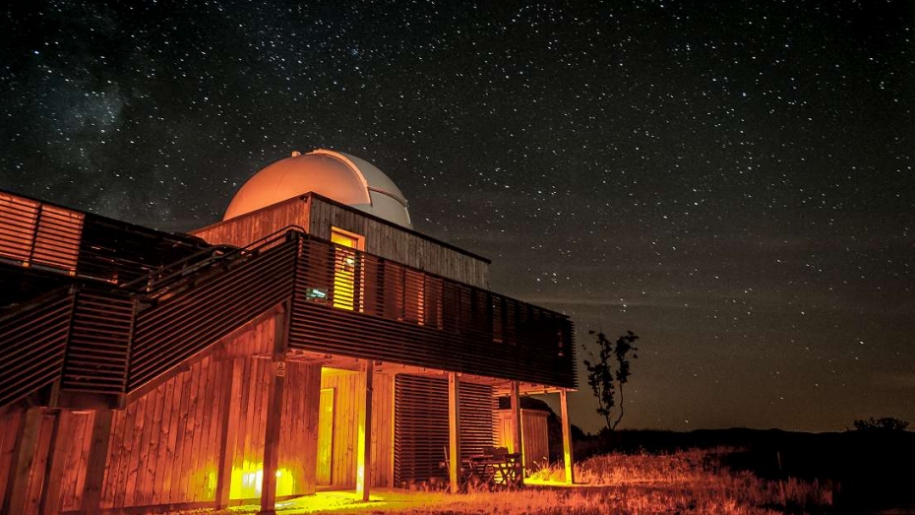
(608, 372)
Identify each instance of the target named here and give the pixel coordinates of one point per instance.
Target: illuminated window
(347, 273)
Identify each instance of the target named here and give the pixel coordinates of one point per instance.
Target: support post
(17, 487)
(54, 472)
(95, 464)
(454, 432)
(274, 412)
(364, 435)
(231, 407)
(517, 442)
(566, 436)
(517, 428)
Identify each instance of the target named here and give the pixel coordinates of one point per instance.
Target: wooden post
(517, 436)
(364, 434)
(95, 465)
(54, 472)
(17, 487)
(454, 432)
(566, 436)
(517, 443)
(229, 430)
(274, 413)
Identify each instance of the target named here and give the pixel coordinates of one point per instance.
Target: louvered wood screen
(421, 426)
(96, 358)
(39, 234)
(407, 316)
(175, 328)
(33, 342)
(420, 429)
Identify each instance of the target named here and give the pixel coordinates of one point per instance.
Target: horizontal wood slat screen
(420, 429)
(476, 418)
(34, 233)
(57, 239)
(344, 302)
(32, 344)
(96, 359)
(175, 328)
(421, 426)
(360, 305)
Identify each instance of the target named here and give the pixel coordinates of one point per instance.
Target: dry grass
(689, 482)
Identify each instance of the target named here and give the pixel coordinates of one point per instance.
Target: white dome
(335, 175)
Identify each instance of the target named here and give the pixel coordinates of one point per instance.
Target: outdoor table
(498, 469)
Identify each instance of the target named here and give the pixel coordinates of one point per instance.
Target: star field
(733, 183)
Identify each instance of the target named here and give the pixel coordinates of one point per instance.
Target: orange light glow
(248, 480)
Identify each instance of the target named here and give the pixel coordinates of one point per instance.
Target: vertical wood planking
(9, 427)
(61, 440)
(27, 435)
(38, 475)
(392, 242)
(95, 464)
(246, 229)
(534, 436)
(75, 468)
(383, 431)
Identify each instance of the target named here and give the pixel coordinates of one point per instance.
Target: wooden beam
(364, 434)
(566, 436)
(274, 413)
(454, 432)
(231, 414)
(17, 487)
(95, 464)
(54, 472)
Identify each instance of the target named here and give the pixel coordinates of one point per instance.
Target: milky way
(732, 181)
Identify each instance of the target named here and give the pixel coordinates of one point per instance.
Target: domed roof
(335, 175)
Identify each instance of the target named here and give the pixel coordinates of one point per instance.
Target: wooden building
(312, 339)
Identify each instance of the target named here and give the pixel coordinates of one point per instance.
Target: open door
(325, 437)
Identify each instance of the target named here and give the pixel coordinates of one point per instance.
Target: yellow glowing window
(346, 268)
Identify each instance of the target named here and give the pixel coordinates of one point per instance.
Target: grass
(687, 482)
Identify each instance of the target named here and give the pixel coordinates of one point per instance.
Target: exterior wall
(9, 430)
(244, 230)
(165, 446)
(391, 242)
(346, 386)
(317, 215)
(535, 440)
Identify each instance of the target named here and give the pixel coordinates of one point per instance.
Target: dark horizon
(733, 183)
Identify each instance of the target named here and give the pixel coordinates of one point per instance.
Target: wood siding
(165, 446)
(346, 414)
(10, 421)
(317, 215)
(392, 242)
(535, 441)
(246, 229)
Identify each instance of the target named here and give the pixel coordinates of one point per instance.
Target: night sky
(732, 181)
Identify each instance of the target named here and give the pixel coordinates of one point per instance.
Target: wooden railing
(345, 302)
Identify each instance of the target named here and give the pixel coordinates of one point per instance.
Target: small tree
(608, 372)
(881, 424)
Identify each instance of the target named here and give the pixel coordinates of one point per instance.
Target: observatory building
(310, 340)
